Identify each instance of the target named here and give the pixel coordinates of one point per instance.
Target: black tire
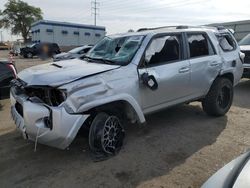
(106, 135)
(219, 98)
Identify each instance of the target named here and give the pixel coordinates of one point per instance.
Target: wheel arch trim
(121, 97)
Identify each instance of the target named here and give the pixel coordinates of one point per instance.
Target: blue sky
(120, 15)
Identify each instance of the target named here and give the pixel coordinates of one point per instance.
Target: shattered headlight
(57, 96)
(49, 96)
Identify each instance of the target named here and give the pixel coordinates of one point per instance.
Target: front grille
(247, 57)
(19, 108)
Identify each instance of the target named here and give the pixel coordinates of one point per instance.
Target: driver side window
(163, 50)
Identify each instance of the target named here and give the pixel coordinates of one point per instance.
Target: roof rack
(221, 27)
(176, 27)
(182, 27)
(153, 28)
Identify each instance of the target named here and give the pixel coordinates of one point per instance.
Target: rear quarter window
(226, 42)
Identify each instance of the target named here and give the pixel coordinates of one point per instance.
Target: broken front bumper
(32, 120)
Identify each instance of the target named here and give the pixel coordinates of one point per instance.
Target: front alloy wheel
(106, 135)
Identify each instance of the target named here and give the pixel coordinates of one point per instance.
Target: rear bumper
(30, 121)
(246, 73)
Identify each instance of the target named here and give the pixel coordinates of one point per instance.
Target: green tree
(18, 16)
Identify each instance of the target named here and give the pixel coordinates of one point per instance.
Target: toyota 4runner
(123, 78)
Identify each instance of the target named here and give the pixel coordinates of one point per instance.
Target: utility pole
(1, 36)
(94, 9)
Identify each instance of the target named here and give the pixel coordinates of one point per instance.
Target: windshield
(245, 40)
(118, 50)
(76, 50)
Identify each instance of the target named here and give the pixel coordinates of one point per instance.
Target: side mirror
(149, 81)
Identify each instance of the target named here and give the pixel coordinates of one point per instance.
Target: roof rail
(220, 27)
(153, 28)
(182, 27)
(176, 27)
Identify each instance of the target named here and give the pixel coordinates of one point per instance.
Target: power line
(142, 4)
(148, 9)
(1, 36)
(94, 9)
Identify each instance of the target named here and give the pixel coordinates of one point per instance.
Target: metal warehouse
(66, 34)
(241, 28)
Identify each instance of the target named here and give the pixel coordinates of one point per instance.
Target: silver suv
(123, 78)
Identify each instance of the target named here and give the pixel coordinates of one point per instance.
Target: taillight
(13, 69)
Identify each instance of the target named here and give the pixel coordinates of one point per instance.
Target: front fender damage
(92, 93)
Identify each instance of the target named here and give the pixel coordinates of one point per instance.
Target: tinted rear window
(199, 45)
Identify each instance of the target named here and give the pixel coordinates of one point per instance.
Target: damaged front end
(40, 116)
(46, 95)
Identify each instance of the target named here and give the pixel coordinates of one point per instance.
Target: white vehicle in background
(235, 174)
(123, 78)
(245, 48)
(72, 54)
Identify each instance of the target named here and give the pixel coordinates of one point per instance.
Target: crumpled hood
(58, 73)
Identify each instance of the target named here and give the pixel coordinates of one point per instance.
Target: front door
(164, 60)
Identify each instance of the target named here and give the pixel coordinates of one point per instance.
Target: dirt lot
(179, 147)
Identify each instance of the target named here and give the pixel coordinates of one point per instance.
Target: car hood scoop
(56, 74)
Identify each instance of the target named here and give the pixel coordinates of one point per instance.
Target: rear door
(204, 60)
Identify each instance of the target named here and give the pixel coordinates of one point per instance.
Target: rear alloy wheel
(106, 135)
(220, 97)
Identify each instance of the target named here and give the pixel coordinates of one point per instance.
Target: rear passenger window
(163, 50)
(226, 42)
(199, 45)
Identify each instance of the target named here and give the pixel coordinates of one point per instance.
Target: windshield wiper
(109, 61)
(106, 61)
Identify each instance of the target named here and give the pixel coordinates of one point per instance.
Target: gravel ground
(178, 147)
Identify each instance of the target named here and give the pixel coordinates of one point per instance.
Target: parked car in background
(123, 78)
(40, 49)
(245, 48)
(235, 174)
(4, 46)
(72, 54)
(7, 73)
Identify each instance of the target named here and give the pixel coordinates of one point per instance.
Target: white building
(66, 34)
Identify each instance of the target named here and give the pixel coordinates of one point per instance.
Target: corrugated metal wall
(65, 35)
